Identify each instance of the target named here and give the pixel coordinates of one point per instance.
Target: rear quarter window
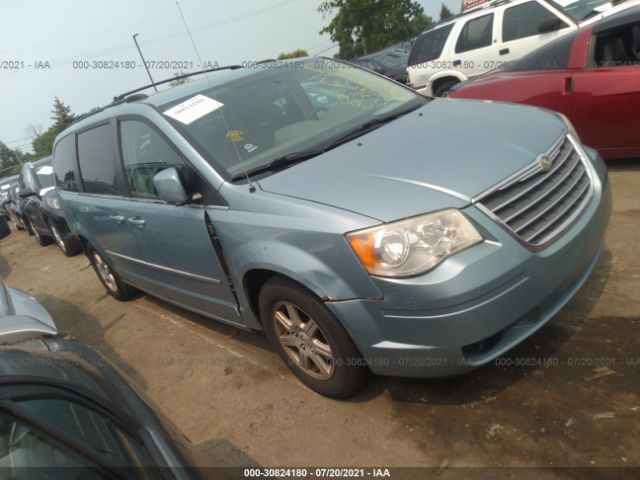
(64, 164)
(429, 45)
(97, 160)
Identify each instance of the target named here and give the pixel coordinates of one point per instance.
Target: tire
(15, 223)
(443, 90)
(69, 247)
(43, 240)
(27, 226)
(109, 278)
(306, 336)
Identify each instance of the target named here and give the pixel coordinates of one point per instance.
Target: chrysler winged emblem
(545, 164)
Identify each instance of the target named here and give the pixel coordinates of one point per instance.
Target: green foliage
(445, 12)
(364, 26)
(295, 54)
(11, 160)
(62, 117)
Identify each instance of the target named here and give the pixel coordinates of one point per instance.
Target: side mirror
(169, 186)
(5, 231)
(550, 25)
(26, 193)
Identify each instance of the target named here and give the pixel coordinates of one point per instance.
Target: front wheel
(69, 247)
(43, 240)
(310, 340)
(109, 278)
(444, 89)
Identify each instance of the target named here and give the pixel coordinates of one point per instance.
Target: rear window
(429, 45)
(553, 56)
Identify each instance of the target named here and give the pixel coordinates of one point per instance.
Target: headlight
(415, 245)
(53, 203)
(570, 126)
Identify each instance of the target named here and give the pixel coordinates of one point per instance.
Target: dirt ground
(229, 393)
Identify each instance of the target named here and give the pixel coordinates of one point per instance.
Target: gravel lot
(230, 394)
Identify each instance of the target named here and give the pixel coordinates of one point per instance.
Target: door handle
(117, 218)
(568, 86)
(457, 63)
(504, 51)
(138, 222)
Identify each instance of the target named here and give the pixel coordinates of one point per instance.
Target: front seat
(613, 53)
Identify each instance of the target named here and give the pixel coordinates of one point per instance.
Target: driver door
(178, 259)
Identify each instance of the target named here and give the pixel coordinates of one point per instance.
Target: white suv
(496, 32)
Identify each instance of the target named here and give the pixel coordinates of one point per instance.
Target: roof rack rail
(122, 96)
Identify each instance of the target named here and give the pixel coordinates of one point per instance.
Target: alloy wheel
(35, 232)
(303, 340)
(105, 273)
(58, 238)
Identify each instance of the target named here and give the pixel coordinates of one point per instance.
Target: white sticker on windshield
(193, 109)
(46, 170)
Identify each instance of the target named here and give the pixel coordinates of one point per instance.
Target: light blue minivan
(362, 226)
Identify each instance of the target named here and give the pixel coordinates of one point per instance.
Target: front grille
(537, 206)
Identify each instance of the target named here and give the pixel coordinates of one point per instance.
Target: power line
(157, 39)
(101, 32)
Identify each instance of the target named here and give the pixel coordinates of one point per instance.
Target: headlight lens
(53, 203)
(413, 246)
(569, 126)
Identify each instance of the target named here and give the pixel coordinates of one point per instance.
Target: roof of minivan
(208, 80)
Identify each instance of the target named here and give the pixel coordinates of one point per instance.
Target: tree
(445, 12)
(295, 54)
(10, 160)
(364, 26)
(62, 116)
(42, 142)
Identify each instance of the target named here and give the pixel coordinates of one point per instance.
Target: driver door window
(145, 153)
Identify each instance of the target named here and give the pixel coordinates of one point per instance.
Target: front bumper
(479, 303)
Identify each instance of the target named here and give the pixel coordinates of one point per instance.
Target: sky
(46, 47)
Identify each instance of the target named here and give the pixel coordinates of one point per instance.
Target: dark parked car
(65, 412)
(12, 206)
(5, 186)
(592, 76)
(390, 62)
(40, 207)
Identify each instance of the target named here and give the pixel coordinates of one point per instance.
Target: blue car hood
(439, 156)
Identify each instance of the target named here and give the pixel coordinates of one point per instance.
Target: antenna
(252, 188)
(192, 42)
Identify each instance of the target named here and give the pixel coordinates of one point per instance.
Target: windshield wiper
(280, 162)
(296, 157)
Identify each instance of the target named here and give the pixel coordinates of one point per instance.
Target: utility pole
(143, 61)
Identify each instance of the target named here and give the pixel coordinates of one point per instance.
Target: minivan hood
(439, 156)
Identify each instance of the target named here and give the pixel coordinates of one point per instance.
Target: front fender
(321, 277)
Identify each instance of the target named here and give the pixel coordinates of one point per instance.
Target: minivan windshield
(286, 111)
(44, 173)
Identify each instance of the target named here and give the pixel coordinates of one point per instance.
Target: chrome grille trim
(537, 206)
